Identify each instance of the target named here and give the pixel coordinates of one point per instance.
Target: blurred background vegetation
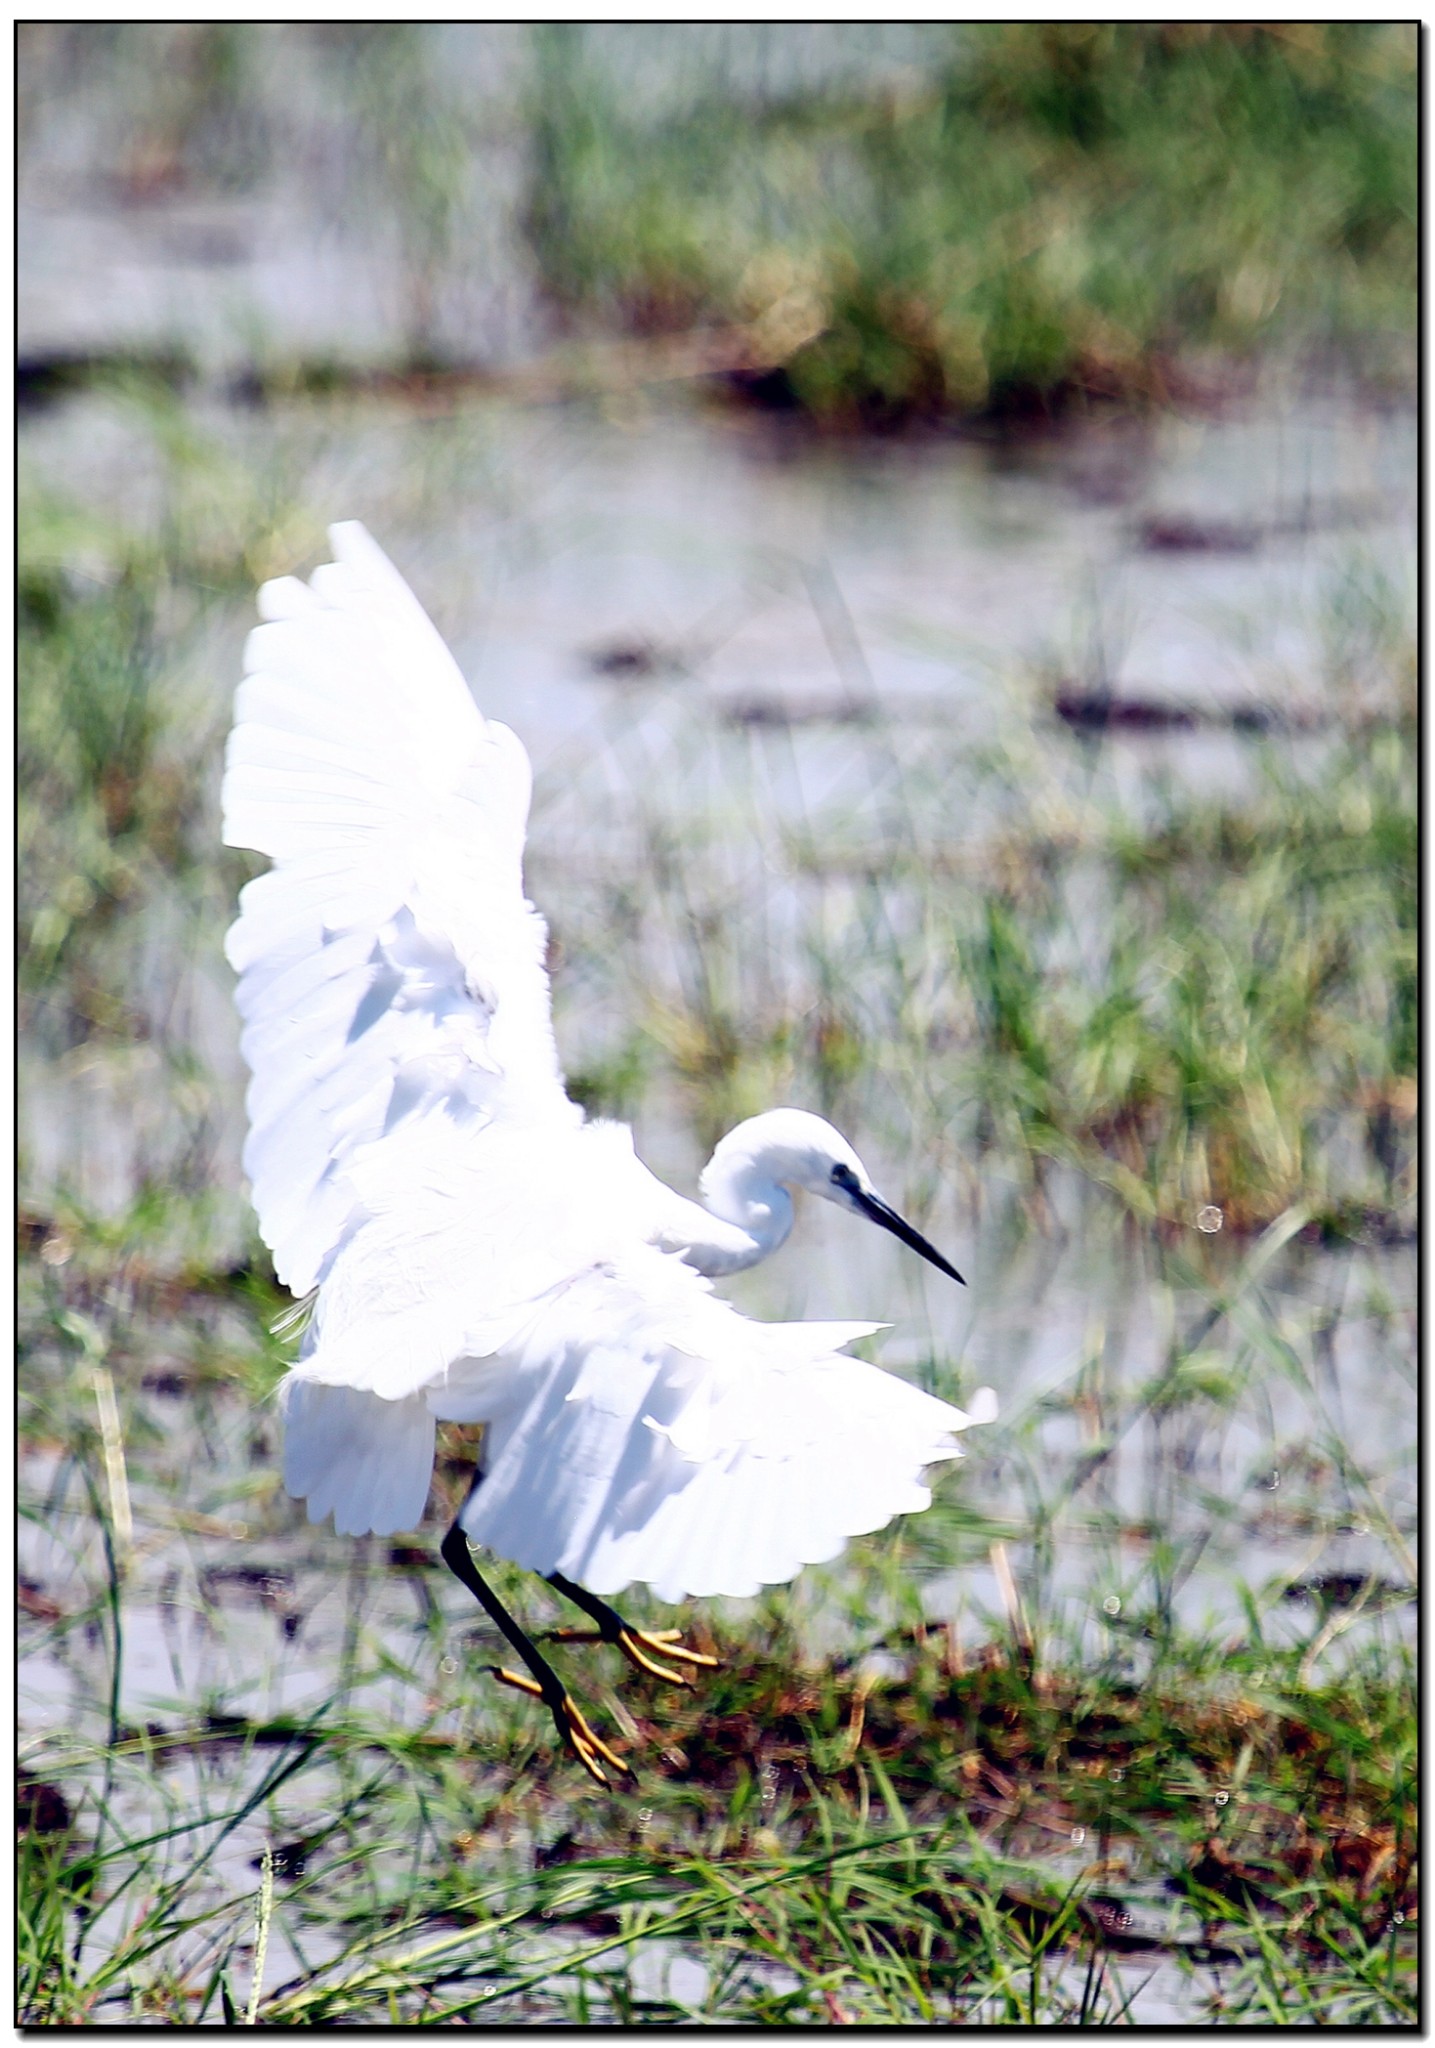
(884, 224)
(938, 503)
(1041, 213)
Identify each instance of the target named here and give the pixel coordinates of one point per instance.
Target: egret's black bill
(876, 1208)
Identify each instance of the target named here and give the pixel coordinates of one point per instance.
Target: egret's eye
(844, 1177)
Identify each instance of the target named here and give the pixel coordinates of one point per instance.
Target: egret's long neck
(747, 1216)
(755, 1209)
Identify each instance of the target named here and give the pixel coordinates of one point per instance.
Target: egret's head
(791, 1148)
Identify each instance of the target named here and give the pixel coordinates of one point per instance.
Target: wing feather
(388, 963)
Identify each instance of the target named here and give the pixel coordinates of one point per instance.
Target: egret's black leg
(545, 1684)
(636, 1644)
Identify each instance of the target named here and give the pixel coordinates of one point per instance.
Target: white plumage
(481, 1252)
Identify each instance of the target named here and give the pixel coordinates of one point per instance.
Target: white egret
(477, 1250)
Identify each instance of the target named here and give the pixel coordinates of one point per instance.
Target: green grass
(1216, 1008)
(1002, 1821)
(959, 1839)
(1051, 212)
(1024, 217)
(118, 734)
(1016, 1819)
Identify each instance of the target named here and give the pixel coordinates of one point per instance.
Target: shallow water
(746, 642)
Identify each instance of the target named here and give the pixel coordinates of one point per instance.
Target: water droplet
(1117, 1776)
(1078, 1835)
(1209, 1219)
(448, 1665)
(1221, 1798)
(1111, 1604)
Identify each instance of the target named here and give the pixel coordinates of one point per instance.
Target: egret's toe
(572, 1725)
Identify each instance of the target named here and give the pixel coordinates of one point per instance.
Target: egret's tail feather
(367, 1459)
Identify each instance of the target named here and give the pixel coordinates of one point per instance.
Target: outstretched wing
(638, 1428)
(656, 1434)
(389, 967)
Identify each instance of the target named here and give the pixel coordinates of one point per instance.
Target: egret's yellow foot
(572, 1726)
(670, 1642)
(643, 1647)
